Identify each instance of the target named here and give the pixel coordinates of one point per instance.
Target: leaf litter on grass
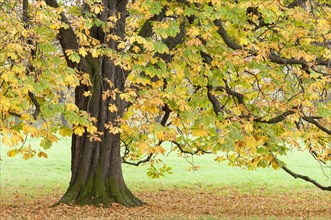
(181, 204)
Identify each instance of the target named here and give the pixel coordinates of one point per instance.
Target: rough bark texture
(96, 166)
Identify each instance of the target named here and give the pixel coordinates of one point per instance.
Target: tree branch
(212, 98)
(276, 119)
(313, 121)
(306, 178)
(227, 39)
(240, 97)
(66, 36)
(166, 115)
(139, 162)
(189, 152)
(280, 60)
(26, 21)
(163, 122)
(296, 3)
(15, 114)
(272, 57)
(37, 105)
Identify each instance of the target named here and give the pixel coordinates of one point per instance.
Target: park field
(214, 191)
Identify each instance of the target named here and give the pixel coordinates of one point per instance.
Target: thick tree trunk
(97, 174)
(96, 166)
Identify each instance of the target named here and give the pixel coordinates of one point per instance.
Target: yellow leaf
(236, 111)
(121, 45)
(159, 150)
(91, 129)
(143, 148)
(193, 32)
(82, 51)
(200, 132)
(115, 130)
(96, 8)
(87, 93)
(52, 138)
(79, 130)
(112, 108)
(65, 131)
(194, 42)
(243, 109)
(11, 153)
(274, 165)
(220, 158)
(71, 107)
(27, 156)
(95, 53)
(251, 142)
(248, 127)
(42, 154)
(7, 140)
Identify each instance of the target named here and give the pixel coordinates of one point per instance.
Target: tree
(244, 80)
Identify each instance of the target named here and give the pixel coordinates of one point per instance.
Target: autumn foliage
(244, 80)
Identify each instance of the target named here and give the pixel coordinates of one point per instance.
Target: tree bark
(97, 174)
(96, 166)
(97, 177)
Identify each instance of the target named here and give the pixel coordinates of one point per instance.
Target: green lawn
(39, 176)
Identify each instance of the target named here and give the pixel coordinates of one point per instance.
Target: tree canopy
(247, 81)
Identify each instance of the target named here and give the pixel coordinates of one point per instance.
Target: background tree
(244, 80)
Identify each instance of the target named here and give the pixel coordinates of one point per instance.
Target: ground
(215, 191)
(183, 203)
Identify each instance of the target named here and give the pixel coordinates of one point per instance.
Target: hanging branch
(306, 178)
(26, 22)
(139, 162)
(240, 97)
(181, 149)
(163, 122)
(296, 175)
(231, 43)
(314, 122)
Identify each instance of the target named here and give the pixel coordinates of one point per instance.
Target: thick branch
(37, 105)
(230, 42)
(224, 34)
(280, 60)
(212, 98)
(239, 96)
(15, 114)
(166, 115)
(296, 3)
(306, 178)
(274, 120)
(313, 121)
(52, 3)
(66, 36)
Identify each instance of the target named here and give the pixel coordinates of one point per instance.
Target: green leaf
(154, 7)
(74, 57)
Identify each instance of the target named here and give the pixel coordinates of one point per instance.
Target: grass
(39, 176)
(215, 191)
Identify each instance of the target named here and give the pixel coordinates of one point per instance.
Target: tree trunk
(97, 174)
(96, 165)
